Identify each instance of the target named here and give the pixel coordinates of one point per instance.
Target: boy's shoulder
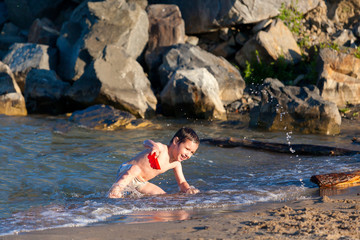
(176, 165)
(162, 146)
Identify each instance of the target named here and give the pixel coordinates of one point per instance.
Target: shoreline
(324, 217)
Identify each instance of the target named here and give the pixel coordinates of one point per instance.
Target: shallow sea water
(55, 174)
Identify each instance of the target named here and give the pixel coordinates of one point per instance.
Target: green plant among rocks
(344, 110)
(346, 50)
(303, 73)
(292, 18)
(331, 45)
(257, 71)
(357, 52)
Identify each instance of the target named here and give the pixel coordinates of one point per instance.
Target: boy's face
(184, 150)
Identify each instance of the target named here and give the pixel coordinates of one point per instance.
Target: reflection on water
(337, 190)
(157, 216)
(54, 174)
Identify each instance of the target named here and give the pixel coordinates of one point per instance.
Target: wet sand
(333, 215)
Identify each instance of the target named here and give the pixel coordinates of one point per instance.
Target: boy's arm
(116, 190)
(154, 146)
(181, 181)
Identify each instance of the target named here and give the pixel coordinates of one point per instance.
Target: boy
(157, 159)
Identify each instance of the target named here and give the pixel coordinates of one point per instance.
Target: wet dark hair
(186, 133)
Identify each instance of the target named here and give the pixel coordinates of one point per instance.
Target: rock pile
(180, 58)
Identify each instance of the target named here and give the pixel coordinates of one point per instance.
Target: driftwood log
(336, 179)
(299, 149)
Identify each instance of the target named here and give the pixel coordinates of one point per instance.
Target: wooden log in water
(336, 179)
(299, 149)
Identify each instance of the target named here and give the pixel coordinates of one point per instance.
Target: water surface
(54, 174)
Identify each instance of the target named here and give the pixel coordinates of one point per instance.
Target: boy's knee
(152, 189)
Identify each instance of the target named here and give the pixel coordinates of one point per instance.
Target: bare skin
(169, 157)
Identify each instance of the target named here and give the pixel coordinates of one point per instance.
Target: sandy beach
(334, 215)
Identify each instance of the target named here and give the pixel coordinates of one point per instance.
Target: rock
(12, 101)
(261, 25)
(339, 77)
(356, 30)
(6, 41)
(102, 117)
(272, 44)
(317, 27)
(141, 123)
(78, 1)
(193, 40)
(225, 49)
(3, 13)
(166, 26)
(206, 15)
(123, 86)
(341, 11)
(10, 34)
(10, 29)
(45, 92)
(43, 31)
(94, 25)
(244, 105)
(225, 34)
(23, 57)
(193, 93)
(24, 12)
(294, 108)
(345, 38)
(166, 29)
(241, 38)
(185, 56)
(355, 140)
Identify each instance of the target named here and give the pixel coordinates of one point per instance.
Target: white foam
(93, 211)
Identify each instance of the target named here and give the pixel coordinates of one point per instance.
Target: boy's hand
(116, 191)
(155, 152)
(155, 148)
(192, 190)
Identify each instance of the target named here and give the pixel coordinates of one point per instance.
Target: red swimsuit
(154, 163)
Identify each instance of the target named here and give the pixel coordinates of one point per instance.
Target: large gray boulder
(193, 93)
(205, 15)
(43, 31)
(339, 79)
(271, 44)
(23, 57)
(24, 12)
(12, 101)
(291, 108)
(94, 25)
(186, 56)
(116, 79)
(45, 92)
